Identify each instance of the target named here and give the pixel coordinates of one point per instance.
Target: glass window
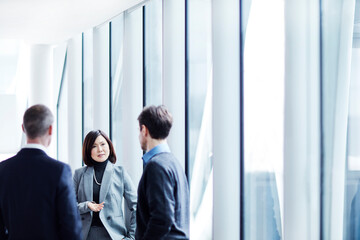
(263, 62)
(199, 58)
(62, 119)
(127, 89)
(88, 76)
(153, 52)
(340, 125)
(352, 191)
(117, 77)
(352, 175)
(126, 58)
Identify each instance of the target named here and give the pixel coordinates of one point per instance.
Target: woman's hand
(95, 207)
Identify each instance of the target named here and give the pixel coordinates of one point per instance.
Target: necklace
(96, 180)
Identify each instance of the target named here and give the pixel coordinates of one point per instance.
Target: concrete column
(41, 77)
(226, 118)
(41, 81)
(101, 101)
(174, 72)
(74, 78)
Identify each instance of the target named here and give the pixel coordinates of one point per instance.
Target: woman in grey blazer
(100, 188)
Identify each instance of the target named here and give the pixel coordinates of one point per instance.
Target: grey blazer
(116, 185)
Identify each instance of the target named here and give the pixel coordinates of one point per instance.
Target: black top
(99, 168)
(163, 208)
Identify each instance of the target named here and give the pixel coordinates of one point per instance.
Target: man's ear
(50, 130)
(144, 130)
(23, 129)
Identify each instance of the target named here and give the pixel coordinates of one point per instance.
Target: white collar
(35, 145)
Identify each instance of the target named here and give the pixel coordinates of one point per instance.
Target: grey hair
(37, 120)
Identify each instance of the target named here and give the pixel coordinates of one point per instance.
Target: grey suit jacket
(116, 185)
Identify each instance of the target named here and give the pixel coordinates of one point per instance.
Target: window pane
(352, 181)
(127, 85)
(352, 191)
(340, 90)
(62, 114)
(200, 116)
(263, 117)
(153, 52)
(88, 81)
(117, 77)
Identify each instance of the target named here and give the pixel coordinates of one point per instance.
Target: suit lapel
(88, 182)
(106, 181)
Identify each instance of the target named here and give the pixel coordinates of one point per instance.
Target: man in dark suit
(163, 192)
(37, 198)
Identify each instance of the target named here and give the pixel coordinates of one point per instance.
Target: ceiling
(54, 21)
(40, 22)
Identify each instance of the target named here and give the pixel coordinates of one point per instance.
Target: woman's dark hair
(89, 142)
(158, 121)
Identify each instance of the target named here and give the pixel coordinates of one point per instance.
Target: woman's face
(100, 150)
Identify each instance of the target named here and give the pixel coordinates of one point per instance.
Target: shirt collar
(37, 146)
(163, 147)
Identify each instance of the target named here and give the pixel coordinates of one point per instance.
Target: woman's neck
(100, 164)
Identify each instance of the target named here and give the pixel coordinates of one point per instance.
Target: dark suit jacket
(163, 200)
(37, 198)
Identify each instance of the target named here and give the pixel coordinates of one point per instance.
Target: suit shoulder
(56, 163)
(3, 164)
(164, 160)
(166, 163)
(119, 168)
(156, 166)
(80, 170)
(164, 157)
(8, 160)
(47, 162)
(155, 163)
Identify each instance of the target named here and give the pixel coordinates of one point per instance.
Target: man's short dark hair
(37, 120)
(158, 121)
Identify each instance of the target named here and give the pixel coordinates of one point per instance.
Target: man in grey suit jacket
(37, 198)
(163, 191)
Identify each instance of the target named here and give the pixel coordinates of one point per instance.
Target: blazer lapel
(88, 183)
(106, 181)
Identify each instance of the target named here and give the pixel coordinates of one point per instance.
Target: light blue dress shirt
(163, 147)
